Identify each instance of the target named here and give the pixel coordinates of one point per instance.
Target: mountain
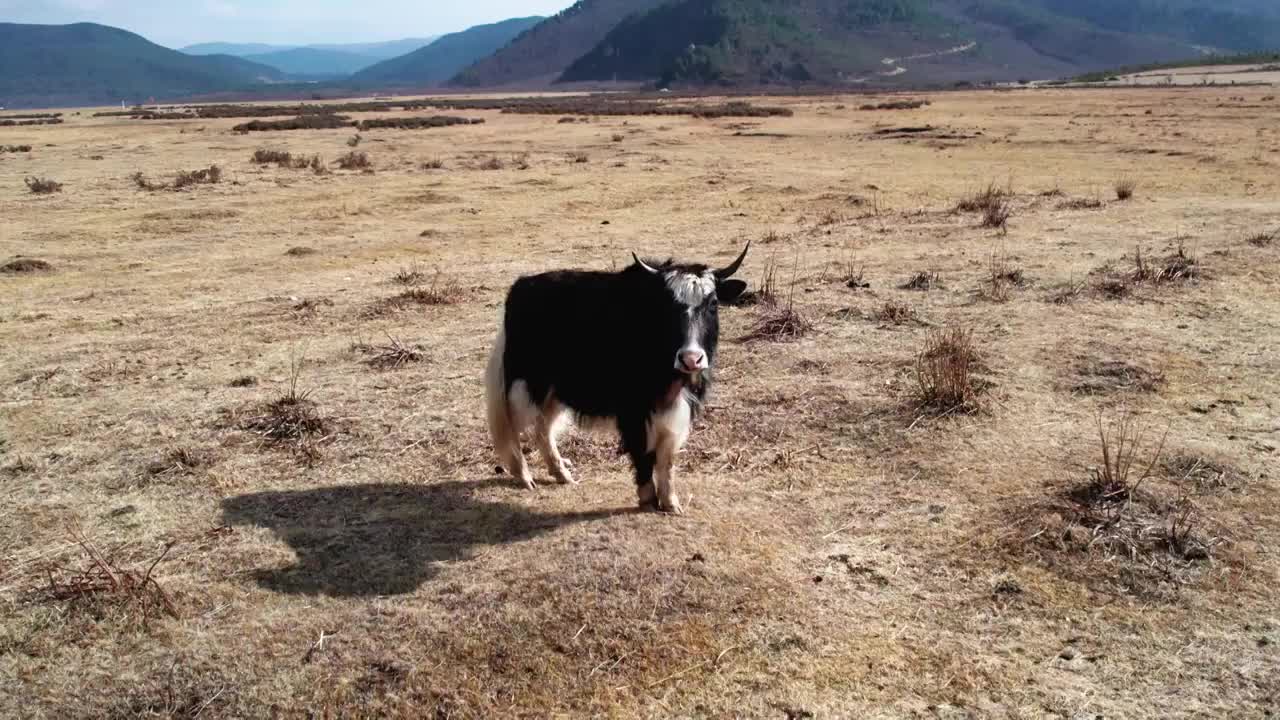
(381, 50)
(542, 52)
(443, 58)
(867, 42)
(237, 49)
(314, 62)
(85, 63)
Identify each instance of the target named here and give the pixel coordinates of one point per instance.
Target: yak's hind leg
(670, 431)
(509, 414)
(548, 426)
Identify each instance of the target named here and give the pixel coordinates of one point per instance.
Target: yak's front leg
(670, 431)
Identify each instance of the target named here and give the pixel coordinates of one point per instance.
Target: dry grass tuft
(944, 370)
(492, 163)
(433, 164)
(1115, 518)
(1104, 377)
(23, 265)
(300, 251)
(1125, 188)
(896, 313)
(292, 416)
(1204, 474)
(392, 355)
(983, 201)
(179, 461)
(924, 280)
(580, 158)
(997, 215)
(412, 274)
(442, 290)
(206, 176)
(355, 161)
(778, 322)
(143, 183)
(15, 148)
(1082, 204)
(1180, 265)
(42, 186)
(1262, 239)
(100, 584)
(263, 156)
(1068, 292)
(1002, 277)
(618, 137)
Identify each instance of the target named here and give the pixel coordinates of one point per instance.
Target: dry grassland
(244, 472)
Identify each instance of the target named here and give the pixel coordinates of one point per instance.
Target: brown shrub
(291, 416)
(1002, 277)
(391, 355)
(21, 265)
(417, 123)
(492, 163)
(354, 161)
(579, 157)
(98, 583)
(211, 175)
(433, 164)
(262, 156)
(42, 186)
(15, 148)
(896, 105)
(1124, 188)
(896, 313)
(983, 200)
(300, 251)
(997, 214)
(1262, 239)
(944, 370)
(1082, 204)
(924, 280)
(1180, 265)
(317, 121)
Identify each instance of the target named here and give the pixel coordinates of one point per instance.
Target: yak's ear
(728, 291)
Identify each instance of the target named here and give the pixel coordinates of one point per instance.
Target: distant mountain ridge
(87, 63)
(442, 59)
(856, 42)
(318, 61)
(543, 51)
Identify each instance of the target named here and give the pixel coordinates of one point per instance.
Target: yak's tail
(502, 428)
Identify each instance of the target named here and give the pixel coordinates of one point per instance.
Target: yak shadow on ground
(384, 539)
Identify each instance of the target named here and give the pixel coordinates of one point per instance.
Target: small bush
(492, 163)
(997, 214)
(617, 137)
(15, 148)
(924, 280)
(409, 275)
(1082, 204)
(433, 164)
(302, 122)
(1124, 189)
(42, 186)
(1002, 277)
(944, 370)
(22, 265)
(983, 200)
(392, 355)
(99, 582)
(263, 156)
(1178, 266)
(354, 161)
(1262, 239)
(144, 184)
(896, 313)
(579, 158)
(896, 105)
(300, 251)
(417, 123)
(291, 416)
(211, 175)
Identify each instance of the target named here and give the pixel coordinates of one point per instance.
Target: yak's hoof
(648, 496)
(671, 505)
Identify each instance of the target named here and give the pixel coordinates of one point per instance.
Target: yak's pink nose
(693, 361)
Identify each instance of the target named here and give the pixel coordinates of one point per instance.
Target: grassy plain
(846, 552)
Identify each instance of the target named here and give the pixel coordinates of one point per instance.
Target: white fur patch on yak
(691, 289)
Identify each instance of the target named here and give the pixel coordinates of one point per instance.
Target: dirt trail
(897, 69)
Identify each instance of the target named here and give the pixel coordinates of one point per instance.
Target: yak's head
(692, 295)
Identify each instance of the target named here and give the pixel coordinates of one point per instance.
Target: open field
(848, 550)
(1258, 74)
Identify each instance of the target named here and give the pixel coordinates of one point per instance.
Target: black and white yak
(633, 348)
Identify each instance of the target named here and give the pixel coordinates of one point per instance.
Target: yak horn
(728, 272)
(643, 264)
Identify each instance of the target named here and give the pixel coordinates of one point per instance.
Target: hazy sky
(176, 23)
